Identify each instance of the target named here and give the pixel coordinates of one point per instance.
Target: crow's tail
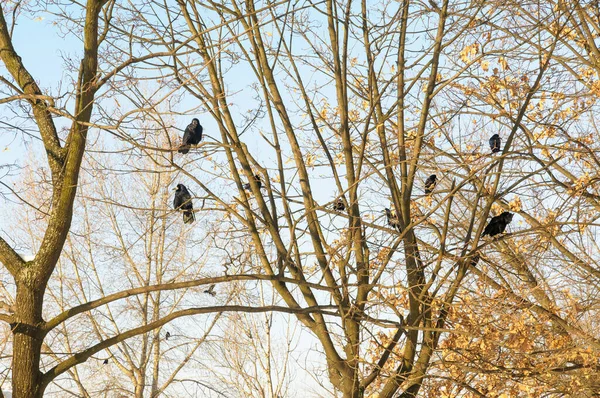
(188, 217)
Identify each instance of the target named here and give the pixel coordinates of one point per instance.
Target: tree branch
(84, 355)
(27, 83)
(57, 320)
(9, 257)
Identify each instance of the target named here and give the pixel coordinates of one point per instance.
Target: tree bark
(28, 338)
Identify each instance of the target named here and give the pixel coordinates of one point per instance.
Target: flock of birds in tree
(497, 224)
(183, 199)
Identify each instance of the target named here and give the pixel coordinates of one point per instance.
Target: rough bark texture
(31, 278)
(28, 338)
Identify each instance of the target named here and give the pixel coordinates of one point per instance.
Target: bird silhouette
(258, 182)
(498, 224)
(183, 201)
(105, 362)
(495, 142)
(211, 290)
(339, 205)
(167, 336)
(191, 136)
(392, 218)
(474, 260)
(430, 184)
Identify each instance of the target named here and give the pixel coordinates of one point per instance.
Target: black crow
(167, 336)
(430, 184)
(339, 205)
(192, 136)
(258, 182)
(183, 201)
(498, 224)
(211, 290)
(105, 362)
(392, 218)
(473, 261)
(495, 143)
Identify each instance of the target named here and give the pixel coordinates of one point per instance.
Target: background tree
(134, 243)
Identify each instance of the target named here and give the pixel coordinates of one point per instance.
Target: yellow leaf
(546, 152)
(515, 204)
(310, 160)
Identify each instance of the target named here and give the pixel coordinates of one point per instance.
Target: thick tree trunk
(139, 388)
(28, 338)
(352, 390)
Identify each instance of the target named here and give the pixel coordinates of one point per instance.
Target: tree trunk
(352, 390)
(28, 338)
(139, 388)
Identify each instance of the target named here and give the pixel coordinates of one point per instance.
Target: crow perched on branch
(495, 143)
(258, 182)
(339, 205)
(392, 219)
(192, 136)
(498, 224)
(183, 201)
(473, 261)
(430, 184)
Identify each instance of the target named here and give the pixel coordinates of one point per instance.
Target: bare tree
(134, 243)
(373, 100)
(255, 356)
